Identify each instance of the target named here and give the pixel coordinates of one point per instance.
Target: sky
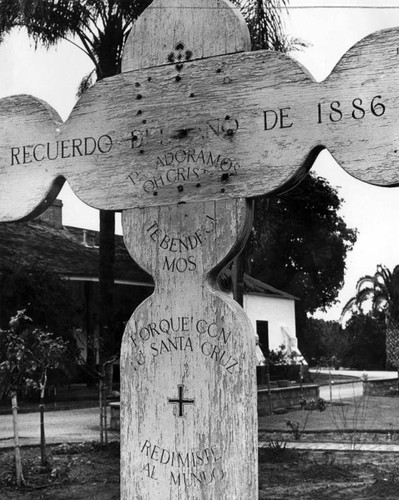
(330, 28)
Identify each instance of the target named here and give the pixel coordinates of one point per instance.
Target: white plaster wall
(278, 312)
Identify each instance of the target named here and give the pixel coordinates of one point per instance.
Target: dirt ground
(91, 472)
(307, 475)
(86, 471)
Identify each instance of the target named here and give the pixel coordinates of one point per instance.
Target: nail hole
(181, 134)
(225, 177)
(219, 70)
(139, 112)
(222, 190)
(178, 78)
(137, 84)
(155, 193)
(139, 96)
(180, 188)
(144, 121)
(149, 78)
(198, 185)
(192, 95)
(227, 117)
(141, 151)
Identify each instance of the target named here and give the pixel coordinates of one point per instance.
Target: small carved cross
(180, 401)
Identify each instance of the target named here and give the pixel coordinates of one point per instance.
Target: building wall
(279, 312)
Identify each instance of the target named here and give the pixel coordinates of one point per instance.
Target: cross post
(194, 126)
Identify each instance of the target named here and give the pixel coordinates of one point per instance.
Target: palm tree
(264, 22)
(381, 292)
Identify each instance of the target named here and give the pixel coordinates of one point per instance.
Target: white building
(272, 314)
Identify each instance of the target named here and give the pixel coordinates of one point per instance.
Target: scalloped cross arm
(194, 129)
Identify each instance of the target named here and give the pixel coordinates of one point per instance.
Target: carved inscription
(184, 334)
(181, 245)
(86, 146)
(327, 112)
(184, 166)
(69, 148)
(194, 468)
(191, 165)
(201, 162)
(216, 127)
(336, 111)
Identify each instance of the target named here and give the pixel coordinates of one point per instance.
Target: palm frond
(265, 24)
(86, 82)
(382, 289)
(101, 26)
(349, 306)
(364, 281)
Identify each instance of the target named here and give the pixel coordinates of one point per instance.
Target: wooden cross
(194, 126)
(180, 400)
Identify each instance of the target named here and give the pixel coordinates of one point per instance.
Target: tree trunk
(91, 360)
(106, 284)
(18, 461)
(237, 278)
(103, 409)
(43, 454)
(392, 345)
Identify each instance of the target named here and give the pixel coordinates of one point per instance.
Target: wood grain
(206, 28)
(201, 345)
(240, 125)
(227, 126)
(26, 188)
(189, 334)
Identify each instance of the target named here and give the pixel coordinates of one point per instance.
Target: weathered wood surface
(226, 126)
(157, 33)
(27, 188)
(188, 390)
(191, 338)
(240, 125)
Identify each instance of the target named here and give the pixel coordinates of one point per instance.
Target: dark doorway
(262, 330)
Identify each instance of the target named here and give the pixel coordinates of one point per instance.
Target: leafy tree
(365, 336)
(49, 299)
(26, 355)
(381, 292)
(299, 244)
(326, 345)
(360, 345)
